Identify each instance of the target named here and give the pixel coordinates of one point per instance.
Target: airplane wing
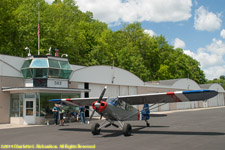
(78, 101)
(152, 98)
(169, 97)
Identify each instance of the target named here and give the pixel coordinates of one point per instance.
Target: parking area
(203, 129)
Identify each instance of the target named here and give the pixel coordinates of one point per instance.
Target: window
(16, 105)
(64, 65)
(53, 73)
(46, 68)
(29, 108)
(40, 82)
(26, 63)
(40, 73)
(53, 63)
(46, 106)
(26, 73)
(65, 74)
(39, 63)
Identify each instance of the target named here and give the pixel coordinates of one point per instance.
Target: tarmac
(9, 126)
(199, 129)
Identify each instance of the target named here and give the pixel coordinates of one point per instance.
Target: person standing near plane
(55, 110)
(61, 119)
(82, 114)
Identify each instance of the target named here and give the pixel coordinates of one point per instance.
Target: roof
(43, 90)
(11, 65)
(213, 86)
(106, 75)
(184, 83)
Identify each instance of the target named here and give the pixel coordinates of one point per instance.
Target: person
(61, 119)
(145, 112)
(82, 114)
(75, 115)
(55, 110)
(47, 110)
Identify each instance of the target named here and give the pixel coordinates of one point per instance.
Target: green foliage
(220, 81)
(90, 42)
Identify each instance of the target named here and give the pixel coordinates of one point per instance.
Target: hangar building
(28, 83)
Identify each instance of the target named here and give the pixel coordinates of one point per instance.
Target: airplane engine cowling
(101, 107)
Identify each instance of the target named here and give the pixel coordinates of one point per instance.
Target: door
(29, 111)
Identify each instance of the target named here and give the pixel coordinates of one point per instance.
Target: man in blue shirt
(82, 114)
(55, 111)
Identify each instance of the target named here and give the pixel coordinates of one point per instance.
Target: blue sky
(197, 26)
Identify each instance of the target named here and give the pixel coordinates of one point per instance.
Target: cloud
(150, 32)
(217, 47)
(211, 59)
(49, 1)
(206, 59)
(117, 11)
(215, 72)
(222, 33)
(178, 43)
(206, 21)
(195, 2)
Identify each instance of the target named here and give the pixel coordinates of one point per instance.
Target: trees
(160, 60)
(90, 42)
(220, 81)
(8, 27)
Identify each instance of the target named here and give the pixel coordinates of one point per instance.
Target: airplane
(120, 109)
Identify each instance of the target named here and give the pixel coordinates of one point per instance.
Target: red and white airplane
(120, 109)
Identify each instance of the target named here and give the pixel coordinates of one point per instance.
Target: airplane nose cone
(99, 106)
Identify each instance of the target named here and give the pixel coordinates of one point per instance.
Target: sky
(196, 26)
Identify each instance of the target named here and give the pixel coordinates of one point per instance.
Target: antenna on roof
(49, 51)
(113, 77)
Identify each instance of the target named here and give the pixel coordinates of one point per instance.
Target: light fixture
(64, 55)
(27, 49)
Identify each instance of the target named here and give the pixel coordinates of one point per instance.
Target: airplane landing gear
(95, 129)
(127, 129)
(147, 123)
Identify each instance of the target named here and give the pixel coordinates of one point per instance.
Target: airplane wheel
(94, 129)
(127, 129)
(147, 124)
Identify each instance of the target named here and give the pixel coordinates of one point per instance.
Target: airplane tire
(94, 129)
(127, 129)
(147, 124)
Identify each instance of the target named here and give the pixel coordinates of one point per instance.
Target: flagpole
(38, 32)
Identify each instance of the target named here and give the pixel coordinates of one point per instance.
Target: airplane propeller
(97, 104)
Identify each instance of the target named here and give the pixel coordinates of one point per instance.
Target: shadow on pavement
(138, 130)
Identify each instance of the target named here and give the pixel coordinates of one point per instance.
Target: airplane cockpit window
(118, 103)
(124, 105)
(113, 101)
(121, 104)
